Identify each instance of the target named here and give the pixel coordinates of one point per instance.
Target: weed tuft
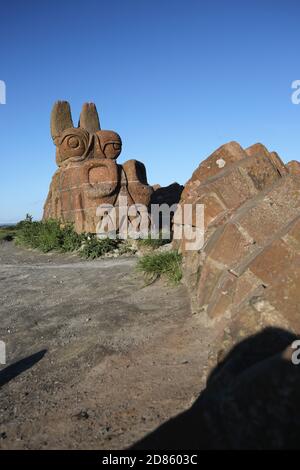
(154, 243)
(167, 264)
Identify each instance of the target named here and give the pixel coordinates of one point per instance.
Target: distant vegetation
(8, 232)
(167, 264)
(51, 235)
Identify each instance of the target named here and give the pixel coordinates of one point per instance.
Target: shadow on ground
(12, 371)
(251, 401)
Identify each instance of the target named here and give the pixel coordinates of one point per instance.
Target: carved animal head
(87, 141)
(88, 174)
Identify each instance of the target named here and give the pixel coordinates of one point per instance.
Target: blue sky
(175, 78)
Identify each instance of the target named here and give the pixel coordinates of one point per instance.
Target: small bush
(94, 247)
(166, 264)
(71, 240)
(45, 236)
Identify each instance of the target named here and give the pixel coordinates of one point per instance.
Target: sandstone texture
(88, 175)
(247, 274)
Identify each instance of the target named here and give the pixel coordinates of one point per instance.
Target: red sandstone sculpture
(88, 174)
(247, 275)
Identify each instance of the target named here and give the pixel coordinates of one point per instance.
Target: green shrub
(94, 247)
(166, 264)
(71, 240)
(45, 236)
(51, 235)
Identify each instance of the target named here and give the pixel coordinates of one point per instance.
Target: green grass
(51, 235)
(154, 243)
(94, 247)
(8, 233)
(166, 264)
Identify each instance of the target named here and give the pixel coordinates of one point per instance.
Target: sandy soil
(95, 359)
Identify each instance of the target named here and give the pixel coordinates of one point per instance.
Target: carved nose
(102, 178)
(98, 174)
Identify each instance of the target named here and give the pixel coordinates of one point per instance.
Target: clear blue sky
(175, 78)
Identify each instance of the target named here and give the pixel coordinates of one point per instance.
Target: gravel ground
(95, 359)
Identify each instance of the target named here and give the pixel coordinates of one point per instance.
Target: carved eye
(73, 144)
(112, 150)
(108, 145)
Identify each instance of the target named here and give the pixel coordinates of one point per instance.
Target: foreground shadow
(12, 371)
(251, 401)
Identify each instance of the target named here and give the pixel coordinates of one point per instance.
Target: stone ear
(89, 119)
(61, 118)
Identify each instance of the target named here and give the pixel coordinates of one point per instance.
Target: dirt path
(106, 359)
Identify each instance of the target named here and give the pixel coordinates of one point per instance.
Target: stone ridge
(249, 267)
